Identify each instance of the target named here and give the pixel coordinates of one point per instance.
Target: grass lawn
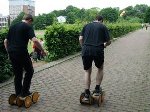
(39, 33)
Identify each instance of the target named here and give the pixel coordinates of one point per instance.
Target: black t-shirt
(94, 35)
(18, 37)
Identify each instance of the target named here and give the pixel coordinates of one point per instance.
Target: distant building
(122, 13)
(3, 21)
(61, 19)
(18, 6)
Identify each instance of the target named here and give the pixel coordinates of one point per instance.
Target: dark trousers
(21, 62)
(39, 55)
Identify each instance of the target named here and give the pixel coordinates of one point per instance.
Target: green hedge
(119, 29)
(5, 66)
(62, 39)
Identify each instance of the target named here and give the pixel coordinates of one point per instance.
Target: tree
(110, 14)
(147, 16)
(140, 10)
(41, 21)
(135, 12)
(71, 8)
(81, 15)
(71, 17)
(90, 14)
(18, 19)
(71, 14)
(59, 13)
(130, 12)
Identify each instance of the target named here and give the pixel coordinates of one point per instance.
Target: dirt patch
(38, 63)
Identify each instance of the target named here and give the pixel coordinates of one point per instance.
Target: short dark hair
(28, 17)
(99, 18)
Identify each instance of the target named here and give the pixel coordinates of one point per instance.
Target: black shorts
(87, 61)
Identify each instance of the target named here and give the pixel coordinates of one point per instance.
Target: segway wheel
(35, 97)
(19, 102)
(27, 101)
(81, 98)
(103, 96)
(99, 100)
(12, 99)
(91, 100)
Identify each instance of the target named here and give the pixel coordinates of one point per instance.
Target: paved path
(126, 81)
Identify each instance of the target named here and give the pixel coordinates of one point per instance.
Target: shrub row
(5, 66)
(119, 29)
(62, 39)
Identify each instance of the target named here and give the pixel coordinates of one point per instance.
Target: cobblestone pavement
(126, 81)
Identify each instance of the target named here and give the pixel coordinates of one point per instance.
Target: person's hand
(105, 45)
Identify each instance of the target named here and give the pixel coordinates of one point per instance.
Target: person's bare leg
(88, 78)
(99, 76)
(87, 83)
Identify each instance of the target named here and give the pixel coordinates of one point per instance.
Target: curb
(44, 67)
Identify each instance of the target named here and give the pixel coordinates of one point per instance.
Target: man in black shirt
(16, 44)
(93, 39)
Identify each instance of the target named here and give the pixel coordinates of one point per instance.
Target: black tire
(12, 99)
(19, 102)
(27, 101)
(99, 100)
(103, 96)
(81, 97)
(35, 97)
(91, 100)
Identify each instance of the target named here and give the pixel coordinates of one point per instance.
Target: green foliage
(59, 12)
(71, 18)
(140, 10)
(147, 16)
(129, 11)
(71, 14)
(110, 14)
(119, 29)
(135, 12)
(134, 20)
(5, 66)
(90, 14)
(41, 21)
(18, 19)
(75, 15)
(62, 40)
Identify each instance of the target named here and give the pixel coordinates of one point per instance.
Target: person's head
(99, 18)
(28, 18)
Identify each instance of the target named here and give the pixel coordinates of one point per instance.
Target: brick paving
(126, 81)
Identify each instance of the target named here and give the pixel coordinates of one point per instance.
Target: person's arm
(38, 45)
(33, 38)
(81, 40)
(5, 44)
(81, 36)
(107, 37)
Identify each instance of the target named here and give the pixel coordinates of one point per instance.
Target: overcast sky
(46, 6)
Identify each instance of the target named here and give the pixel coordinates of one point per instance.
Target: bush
(62, 39)
(5, 66)
(119, 29)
